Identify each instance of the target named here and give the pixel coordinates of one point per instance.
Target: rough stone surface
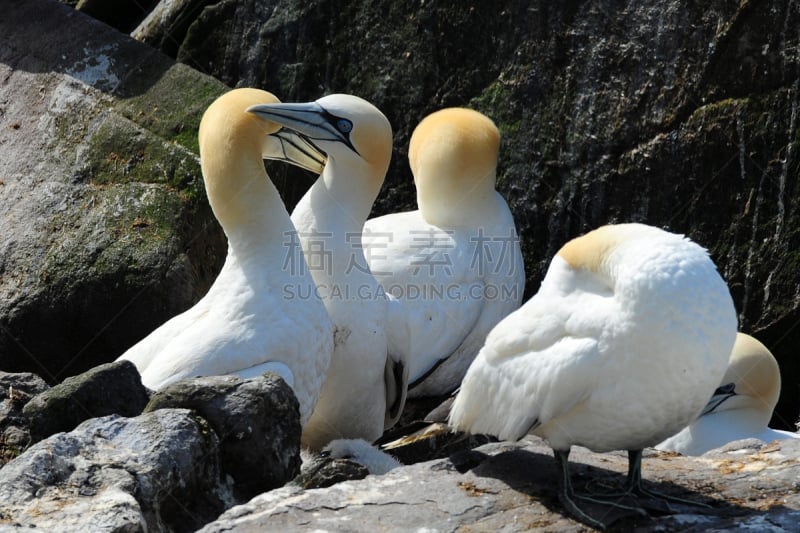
(106, 232)
(511, 487)
(257, 421)
(321, 472)
(678, 114)
(156, 472)
(15, 391)
(112, 388)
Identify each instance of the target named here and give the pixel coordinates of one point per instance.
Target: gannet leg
(633, 485)
(567, 495)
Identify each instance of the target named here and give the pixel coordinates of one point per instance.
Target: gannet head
(591, 252)
(752, 380)
(453, 157)
(348, 129)
(232, 144)
(227, 126)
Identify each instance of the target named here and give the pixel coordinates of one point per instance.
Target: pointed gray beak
(285, 145)
(718, 398)
(309, 120)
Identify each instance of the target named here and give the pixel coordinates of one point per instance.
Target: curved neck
(244, 200)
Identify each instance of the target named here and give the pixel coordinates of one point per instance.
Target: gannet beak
(286, 145)
(718, 398)
(309, 120)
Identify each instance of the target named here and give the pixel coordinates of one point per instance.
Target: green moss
(119, 151)
(172, 107)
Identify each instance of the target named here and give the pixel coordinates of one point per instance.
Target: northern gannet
(740, 408)
(621, 347)
(456, 261)
(364, 392)
(245, 325)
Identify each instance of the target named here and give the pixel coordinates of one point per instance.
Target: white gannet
(621, 347)
(364, 392)
(740, 408)
(246, 324)
(456, 262)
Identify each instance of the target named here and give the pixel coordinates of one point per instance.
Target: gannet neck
(243, 198)
(453, 157)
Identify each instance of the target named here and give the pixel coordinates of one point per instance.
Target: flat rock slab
(512, 487)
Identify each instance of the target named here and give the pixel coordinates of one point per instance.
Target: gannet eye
(344, 125)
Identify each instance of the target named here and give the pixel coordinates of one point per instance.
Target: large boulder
(16, 390)
(113, 388)
(257, 421)
(156, 472)
(106, 232)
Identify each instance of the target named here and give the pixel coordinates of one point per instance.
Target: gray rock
(257, 421)
(319, 472)
(106, 232)
(156, 472)
(510, 487)
(113, 388)
(15, 391)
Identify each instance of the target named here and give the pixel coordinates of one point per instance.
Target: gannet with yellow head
(456, 261)
(621, 346)
(740, 408)
(246, 325)
(365, 389)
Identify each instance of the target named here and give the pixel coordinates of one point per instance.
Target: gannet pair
(622, 346)
(365, 389)
(740, 408)
(455, 262)
(245, 324)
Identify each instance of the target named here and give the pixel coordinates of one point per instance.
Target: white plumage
(740, 408)
(245, 324)
(456, 262)
(366, 384)
(622, 346)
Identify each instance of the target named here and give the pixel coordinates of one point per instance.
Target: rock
(257, 421)
(319, 472)
(15, 391)
(512, 487)
(113, 388)
(123, 15)
(166, 25)
(156, 472)
(106, 232)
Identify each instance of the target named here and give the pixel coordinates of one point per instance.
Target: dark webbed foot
(633, 485)
(596, 512)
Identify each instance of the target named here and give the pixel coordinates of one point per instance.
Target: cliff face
(677, 114)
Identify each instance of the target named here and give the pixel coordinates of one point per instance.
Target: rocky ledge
(222, 454)
(747, 486)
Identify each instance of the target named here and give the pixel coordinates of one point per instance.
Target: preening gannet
(364, 392)
(740, 408)
(456, 262)
(626, 339)
(246, 324)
